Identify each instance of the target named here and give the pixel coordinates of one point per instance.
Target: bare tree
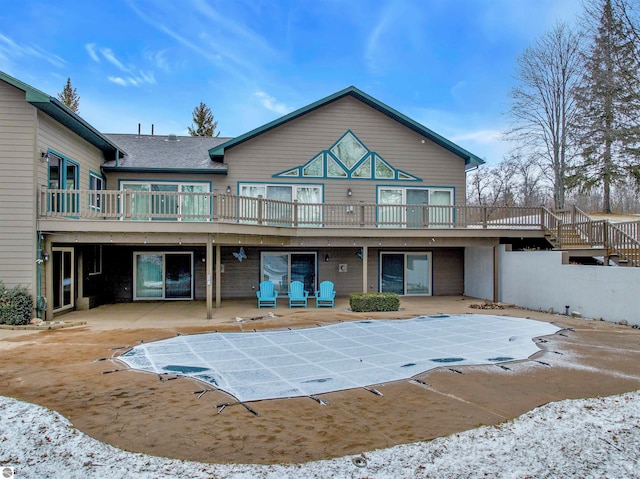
(543, 106)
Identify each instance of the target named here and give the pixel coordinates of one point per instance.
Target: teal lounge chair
(267, 294)
(297, 294)
(326, 294)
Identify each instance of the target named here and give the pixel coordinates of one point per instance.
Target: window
(93, 259)
(63, 175)
(278, 210)
(96, 183)
(168, 201)
(403, 207)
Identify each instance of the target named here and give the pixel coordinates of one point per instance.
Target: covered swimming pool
(260, 365)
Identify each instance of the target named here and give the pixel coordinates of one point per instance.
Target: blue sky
(448, 64)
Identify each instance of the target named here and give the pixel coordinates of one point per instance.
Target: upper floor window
(63, 175)
(401, 206)
(278, 210)
(168, 201)
(96, 183)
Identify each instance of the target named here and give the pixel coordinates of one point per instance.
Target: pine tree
(608, 102)
(203, 120)
(69, 96)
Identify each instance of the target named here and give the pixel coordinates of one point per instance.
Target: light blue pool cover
(303, 362)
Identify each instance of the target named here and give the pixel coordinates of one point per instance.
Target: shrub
(368, 302)
(16, 305)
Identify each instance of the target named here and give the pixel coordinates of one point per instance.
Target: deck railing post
(215, 207)
(295, 213)
(362, 214)
(485, 215)
(260, 202)
(127, 204)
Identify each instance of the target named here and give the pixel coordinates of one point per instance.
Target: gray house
(346, 189)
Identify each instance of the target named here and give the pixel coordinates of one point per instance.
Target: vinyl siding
(298, 141)
(17, 192)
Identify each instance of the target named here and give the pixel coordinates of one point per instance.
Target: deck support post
(218, 277)
(365, 261)
(209, 273)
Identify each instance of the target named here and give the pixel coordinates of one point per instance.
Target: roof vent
(172, 137)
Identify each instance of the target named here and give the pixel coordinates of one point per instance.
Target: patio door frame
(58, 265)
(163, 254)
(406, 255)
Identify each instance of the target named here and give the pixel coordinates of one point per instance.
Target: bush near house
(16, 305)
(368, 302)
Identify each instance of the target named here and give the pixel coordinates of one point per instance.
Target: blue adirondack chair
(297, 294)
(325, 295)
(267, 294)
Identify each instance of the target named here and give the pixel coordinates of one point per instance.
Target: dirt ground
(67, 370)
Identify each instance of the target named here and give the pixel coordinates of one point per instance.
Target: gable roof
(160, 153)
(470, 159)
(63, 115)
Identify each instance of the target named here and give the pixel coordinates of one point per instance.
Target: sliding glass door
(163, 276)
(283, 267)
(405, 273)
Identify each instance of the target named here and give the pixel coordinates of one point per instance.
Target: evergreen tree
(608, 102)
(203, 120)
(69, 96)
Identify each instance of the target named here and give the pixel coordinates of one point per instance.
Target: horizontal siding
(296, 142)
(17, 192)
(52, 134)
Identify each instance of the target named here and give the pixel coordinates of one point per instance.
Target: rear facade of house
(345, 189)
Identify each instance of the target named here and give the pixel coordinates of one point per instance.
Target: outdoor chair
(297, 294)
(326, 294)
(267, 294)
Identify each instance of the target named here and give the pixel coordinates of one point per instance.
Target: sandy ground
(67, 370)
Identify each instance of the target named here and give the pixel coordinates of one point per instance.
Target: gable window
(278, 209)
(63, 175)
(403, 207)
(96, 183)
(168, 201)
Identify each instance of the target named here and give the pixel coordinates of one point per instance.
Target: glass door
(163, 276)
(177, 276)
(282, 267)
(405, 273)
(63, 279)
(416, 197)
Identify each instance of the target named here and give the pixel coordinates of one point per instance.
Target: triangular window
(363, 171)
(314, 167)
(334, 170)
(383, 170)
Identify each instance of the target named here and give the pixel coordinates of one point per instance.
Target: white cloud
(108, 54)
(118, 81)
(91, 50)
(270, 103)
(10, 49)
(140, 80)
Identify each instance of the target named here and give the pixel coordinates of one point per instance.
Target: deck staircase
(573, 230)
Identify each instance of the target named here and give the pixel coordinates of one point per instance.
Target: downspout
(41, 301)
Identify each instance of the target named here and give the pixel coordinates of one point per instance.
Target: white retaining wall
(538, 280)
(478, 272)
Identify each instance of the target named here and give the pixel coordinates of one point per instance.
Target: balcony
(215, 207)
